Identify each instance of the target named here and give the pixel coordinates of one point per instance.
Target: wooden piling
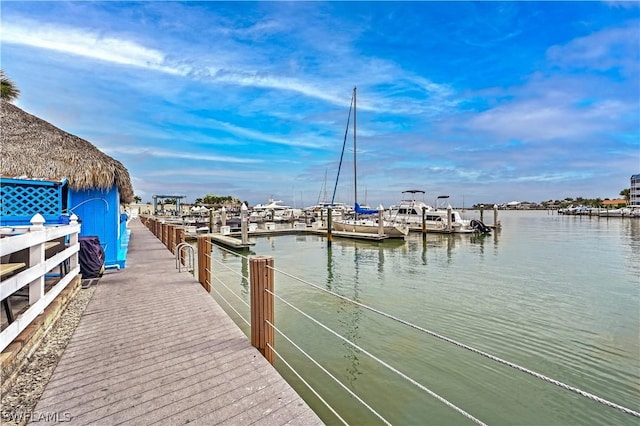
(171, 229)
(262, 308)
(204, 260)
(329, 225)
(424, 220)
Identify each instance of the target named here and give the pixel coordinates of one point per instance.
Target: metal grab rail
(189, 257)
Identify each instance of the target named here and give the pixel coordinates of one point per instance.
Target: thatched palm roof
(31, 147)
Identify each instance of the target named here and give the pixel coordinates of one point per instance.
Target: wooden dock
(154, 347)
(229, 241)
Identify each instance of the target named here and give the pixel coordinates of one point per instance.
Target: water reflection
(244, 281)
(349, 316)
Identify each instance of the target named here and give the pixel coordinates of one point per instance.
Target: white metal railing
(32, 241)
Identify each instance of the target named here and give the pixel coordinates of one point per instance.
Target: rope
(231, 291)
(303, 380)
(474, 350)
(231, 306)
(328, 373)
(228, 268)
(381, 362)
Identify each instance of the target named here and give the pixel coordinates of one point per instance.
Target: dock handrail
(187, 260)
(206, 277)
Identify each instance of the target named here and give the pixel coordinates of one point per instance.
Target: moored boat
(441, 218)
(274, 211)
(363, 221)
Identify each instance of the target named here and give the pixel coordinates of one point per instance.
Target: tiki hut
(39, 158)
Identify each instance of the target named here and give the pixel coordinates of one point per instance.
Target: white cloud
(90, 44)
(311, 142)
(162, 153)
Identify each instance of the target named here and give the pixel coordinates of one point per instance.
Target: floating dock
(229, 241)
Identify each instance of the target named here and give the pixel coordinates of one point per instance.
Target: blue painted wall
(99, 214)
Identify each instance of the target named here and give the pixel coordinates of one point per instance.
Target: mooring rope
(472, 349)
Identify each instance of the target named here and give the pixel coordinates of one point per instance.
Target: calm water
(559, 295)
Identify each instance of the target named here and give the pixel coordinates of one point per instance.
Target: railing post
(36, 257)
(170, 238)
(73, 240)
(179, 235)
(261, 277)
(204, 248)
(165, 232)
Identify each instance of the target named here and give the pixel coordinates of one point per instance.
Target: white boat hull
(368, 226)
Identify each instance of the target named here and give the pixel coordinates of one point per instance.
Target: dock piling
(261, 280)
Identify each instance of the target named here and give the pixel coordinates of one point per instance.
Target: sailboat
(365, 221)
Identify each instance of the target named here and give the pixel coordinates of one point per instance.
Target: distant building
(634, 195)
(51, 172)
(615, 203)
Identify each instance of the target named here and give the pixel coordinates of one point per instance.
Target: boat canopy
(360, 210)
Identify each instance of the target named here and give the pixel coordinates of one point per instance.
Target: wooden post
(165, 234)
(329, 225)
(170, 234)
(424, 220)
(204, 251)
(380, 223)
(261, 277)
(243, 224)
(496, 222)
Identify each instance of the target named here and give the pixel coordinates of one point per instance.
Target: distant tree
(137, 199)
(8, 90)
(626, 193)
(217, 200)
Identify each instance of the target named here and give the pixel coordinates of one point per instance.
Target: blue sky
(484, 101)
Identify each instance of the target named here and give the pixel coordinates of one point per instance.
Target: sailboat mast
(355, 170)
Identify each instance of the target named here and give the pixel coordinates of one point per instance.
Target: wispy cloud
(253, 96)
(168, 154)
(87, 43)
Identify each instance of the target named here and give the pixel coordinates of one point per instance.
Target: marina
(167, 258)
(522, 294)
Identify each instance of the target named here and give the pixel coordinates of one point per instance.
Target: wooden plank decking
(154, 347)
